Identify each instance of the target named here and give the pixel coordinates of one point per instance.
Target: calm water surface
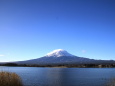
(36, 76)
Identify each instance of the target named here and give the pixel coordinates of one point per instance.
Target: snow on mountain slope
(58, 53)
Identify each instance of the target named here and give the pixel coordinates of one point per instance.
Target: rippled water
(36, 76)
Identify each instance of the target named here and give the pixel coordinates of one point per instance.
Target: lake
(39, 76)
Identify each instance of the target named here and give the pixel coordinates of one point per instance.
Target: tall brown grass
(111, 82)
(10, 79)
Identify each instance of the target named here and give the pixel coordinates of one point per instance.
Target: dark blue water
(36, 76)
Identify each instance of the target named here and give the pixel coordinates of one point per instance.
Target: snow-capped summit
(58, 53)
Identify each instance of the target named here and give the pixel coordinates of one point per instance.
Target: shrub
(111, 82)
(10, 79)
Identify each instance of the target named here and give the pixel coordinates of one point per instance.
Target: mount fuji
(58, 56)
(61, 56)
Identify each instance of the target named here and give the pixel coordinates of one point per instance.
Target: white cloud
(2, 55)
(83, 51)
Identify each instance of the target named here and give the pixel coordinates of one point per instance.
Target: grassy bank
(111, 82)
(10, 79)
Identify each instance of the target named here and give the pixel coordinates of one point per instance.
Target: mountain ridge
(61, 56)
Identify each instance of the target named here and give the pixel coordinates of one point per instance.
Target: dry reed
(10, 79)
(111, 82)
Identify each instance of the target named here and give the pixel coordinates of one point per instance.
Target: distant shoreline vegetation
(62, 65)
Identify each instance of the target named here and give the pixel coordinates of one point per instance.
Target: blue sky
(30, 29)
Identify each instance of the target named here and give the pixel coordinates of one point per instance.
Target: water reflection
(55, 76)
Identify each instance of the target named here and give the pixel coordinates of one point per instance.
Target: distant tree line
(61, 65)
